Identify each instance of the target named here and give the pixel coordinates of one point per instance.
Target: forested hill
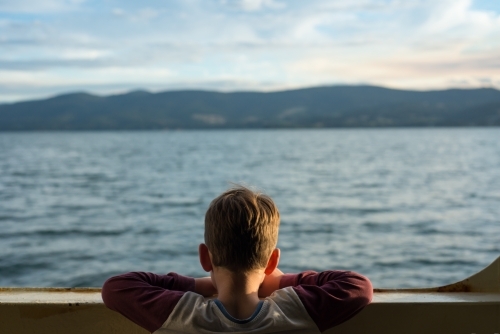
(334, 106)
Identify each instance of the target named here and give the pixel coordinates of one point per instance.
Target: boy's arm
(204, 286)
(330, 297)
(146, 298)
(271, 283)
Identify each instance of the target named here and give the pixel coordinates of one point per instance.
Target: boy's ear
(205, 261)
(272, 264)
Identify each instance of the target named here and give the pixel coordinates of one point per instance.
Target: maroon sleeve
(145, 298)
(330, 297)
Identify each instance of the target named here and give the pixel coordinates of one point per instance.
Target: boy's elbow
(108, 292)
(365, 290)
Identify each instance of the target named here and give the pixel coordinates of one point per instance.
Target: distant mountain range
(334, 106)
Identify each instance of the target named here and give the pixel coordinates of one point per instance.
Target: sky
(49, 47)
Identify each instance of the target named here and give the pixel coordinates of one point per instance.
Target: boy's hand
(204, 286)
(270, 284)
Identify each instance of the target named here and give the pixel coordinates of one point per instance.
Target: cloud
(253, 5)
(118, 12)
(430, 71)
(96, 76)
(243, 44)
(39, 6)
(143, 14)
(458, 14)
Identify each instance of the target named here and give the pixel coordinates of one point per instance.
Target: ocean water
(406, 207)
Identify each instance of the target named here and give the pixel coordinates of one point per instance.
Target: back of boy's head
(241, 229)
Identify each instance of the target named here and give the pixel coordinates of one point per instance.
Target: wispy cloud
(39, 6)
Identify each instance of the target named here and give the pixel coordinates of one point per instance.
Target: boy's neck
(238, 292)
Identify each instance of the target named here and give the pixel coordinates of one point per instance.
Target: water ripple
(407, 207)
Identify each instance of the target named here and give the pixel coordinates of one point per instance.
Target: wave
(67, 232)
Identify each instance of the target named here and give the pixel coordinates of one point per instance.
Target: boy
(241, 232)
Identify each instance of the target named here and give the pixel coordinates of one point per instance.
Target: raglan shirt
(308, 302)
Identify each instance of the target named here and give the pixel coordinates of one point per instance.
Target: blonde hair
(241, 229)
